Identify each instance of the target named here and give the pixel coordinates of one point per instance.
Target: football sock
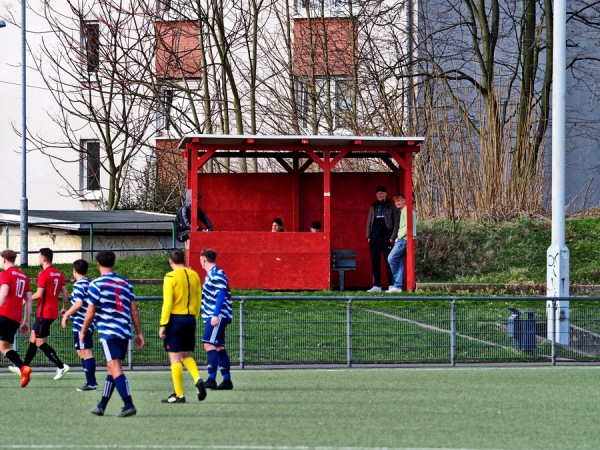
(109, 387)
(51, 355)
(212, 364)
(122, 386)
(14, 358)
(192, 367)
(29, 355)
(224, 364)
(89, 367)
(177, 375)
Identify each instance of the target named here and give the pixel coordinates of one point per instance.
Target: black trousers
(378, 248)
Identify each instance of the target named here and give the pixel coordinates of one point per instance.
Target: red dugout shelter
(242, 206)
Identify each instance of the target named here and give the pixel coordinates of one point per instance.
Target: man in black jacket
(382, 228)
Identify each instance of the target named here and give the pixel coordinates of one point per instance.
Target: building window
(164, 111)
(89, 165)
(317, 5)
(163, 6)
(341, 101)
(90, 46)
(344, 96)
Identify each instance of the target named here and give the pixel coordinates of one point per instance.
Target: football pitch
(451, 408)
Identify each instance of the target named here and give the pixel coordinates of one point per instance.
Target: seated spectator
(315, 227)
(277, 225)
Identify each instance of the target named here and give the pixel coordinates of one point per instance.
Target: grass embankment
(511, 252)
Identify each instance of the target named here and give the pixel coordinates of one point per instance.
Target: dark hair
(316, 225)
(177, 256)
(209, 254)
(278, 221)
(47, 253)
(80, 266)
(106, 258)
(380, 189)
(9, 255)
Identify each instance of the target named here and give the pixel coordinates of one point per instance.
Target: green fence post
(91, 241)
(242, 355)
(349, 333)
(453, 332)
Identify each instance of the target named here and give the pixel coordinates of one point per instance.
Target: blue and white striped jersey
(112, 295)
(216, 281)
(80, 294)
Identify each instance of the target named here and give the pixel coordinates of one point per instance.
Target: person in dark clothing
(382, 228)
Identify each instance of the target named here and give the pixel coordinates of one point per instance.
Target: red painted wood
(244, 206)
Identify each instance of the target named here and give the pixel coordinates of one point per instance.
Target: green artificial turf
(467, 408)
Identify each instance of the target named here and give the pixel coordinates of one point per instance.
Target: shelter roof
(103, 221)
(285, 143)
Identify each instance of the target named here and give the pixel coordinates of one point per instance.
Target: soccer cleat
(25, 375)
(97, 411)
(226, 385)
(88, 387)
(210, 384)
(15, 370)
(126, 412)
(393, 289)
(62, 372)
(375, 289)
(201, 389)
(173, 399)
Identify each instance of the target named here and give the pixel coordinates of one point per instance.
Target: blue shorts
(181, 333)
(215, 335)
(41, 327)
(8, 329)
(87, 340)
(114, 348)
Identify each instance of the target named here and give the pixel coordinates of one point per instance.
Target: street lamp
(23, 217)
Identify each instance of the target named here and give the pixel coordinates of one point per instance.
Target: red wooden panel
(242, 207)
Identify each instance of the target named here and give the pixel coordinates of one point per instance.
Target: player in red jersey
(14, 292)
(50, 284)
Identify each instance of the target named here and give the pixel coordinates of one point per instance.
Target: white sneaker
(15, 370)
(392, 290)
(61, 372)
(375, 289)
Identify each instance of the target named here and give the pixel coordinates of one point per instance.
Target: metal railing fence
(293, 330)
(91, 234)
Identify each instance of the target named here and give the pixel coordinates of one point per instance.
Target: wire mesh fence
(378, 330)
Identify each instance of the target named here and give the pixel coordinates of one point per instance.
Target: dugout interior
(312, 187)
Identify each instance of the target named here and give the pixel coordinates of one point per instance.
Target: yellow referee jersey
(181, 294)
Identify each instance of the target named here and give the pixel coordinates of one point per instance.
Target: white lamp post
(23, 217)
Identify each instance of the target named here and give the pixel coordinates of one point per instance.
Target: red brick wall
(326, 45)
(178, 52)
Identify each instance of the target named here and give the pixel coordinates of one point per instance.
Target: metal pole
(453, 332)
(553, 340)
(242, 344)
(24, 219)
(349, 333)
(557, 256)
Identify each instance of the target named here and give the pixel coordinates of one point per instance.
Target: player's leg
(40, 340)
(32, 349)
(223, 357)
(87, 361)
(8, 329)
(119, 352)
(188, 345)
(212, 359)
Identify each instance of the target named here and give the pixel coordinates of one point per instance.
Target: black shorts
(181, 333)
(8, 329)
(87, 342)
(41, 327)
